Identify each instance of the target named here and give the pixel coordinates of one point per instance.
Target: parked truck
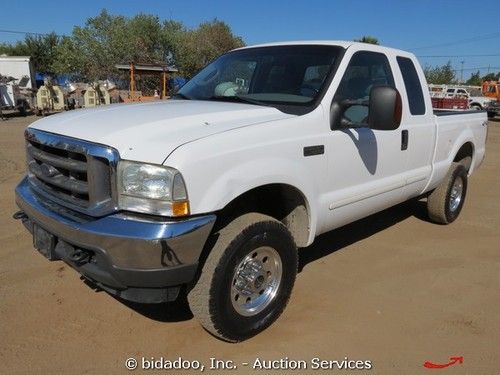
(458, 97)
(491, 89)
(475, 98)
(211, 193)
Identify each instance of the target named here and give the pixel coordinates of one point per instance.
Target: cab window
(365, 71)
(413, 86)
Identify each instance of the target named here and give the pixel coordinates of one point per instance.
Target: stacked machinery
(49, 98)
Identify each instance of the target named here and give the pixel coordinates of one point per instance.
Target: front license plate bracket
(44, 242)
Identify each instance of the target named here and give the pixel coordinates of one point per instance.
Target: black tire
(211, 299)
(476, 107)
(491, 114)
(23, 110)
(442, 207)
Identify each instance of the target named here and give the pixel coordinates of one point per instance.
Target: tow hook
(80, 257)
(19, 215)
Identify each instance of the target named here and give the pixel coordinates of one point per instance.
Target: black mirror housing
(385, 108)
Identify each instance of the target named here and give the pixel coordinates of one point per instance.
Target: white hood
(149, 132)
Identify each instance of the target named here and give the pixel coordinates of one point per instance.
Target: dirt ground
(393, 289)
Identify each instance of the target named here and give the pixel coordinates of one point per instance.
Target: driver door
(365, 166)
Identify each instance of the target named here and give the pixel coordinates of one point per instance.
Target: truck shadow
(324, 245)
(366, 144)
(349, 234)
(177, 311)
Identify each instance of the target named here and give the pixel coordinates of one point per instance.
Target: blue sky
(444, 27)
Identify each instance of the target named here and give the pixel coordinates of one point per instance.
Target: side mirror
(384, 109)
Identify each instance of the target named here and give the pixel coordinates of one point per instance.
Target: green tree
(171, 37)
(67, 57)
(18, 49)
(474, 80)
(105, 40)
(491, 77)
(440, 75)
(43, 51)
(41, 48)
(203, 44)
(92, 50)
(367, 39)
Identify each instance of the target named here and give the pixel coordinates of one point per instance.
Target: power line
(486, 55)
(460, 41)
(29, 32)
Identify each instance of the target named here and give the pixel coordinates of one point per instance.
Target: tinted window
(412, 85)
(365, 70)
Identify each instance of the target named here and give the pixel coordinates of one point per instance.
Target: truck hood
(149, 132)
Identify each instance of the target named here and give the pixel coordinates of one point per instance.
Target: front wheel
(446, 201)
(247, 278)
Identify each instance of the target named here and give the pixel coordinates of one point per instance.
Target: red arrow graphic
(453, 360)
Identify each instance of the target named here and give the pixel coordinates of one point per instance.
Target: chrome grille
(74, 173)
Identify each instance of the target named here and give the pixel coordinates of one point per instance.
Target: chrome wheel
(256, 281)
(456, 194)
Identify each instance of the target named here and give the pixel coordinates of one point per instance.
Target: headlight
(152, 189)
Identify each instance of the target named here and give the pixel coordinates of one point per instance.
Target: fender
(222, 167)
(442, 166)
(244, 177)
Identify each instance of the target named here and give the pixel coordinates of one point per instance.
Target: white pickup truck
(211, 193)
(476, 99)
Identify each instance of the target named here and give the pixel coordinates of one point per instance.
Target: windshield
(286, 75)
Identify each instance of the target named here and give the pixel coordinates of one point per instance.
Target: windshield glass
(290, 75)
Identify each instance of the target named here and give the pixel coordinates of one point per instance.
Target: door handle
(404, 140)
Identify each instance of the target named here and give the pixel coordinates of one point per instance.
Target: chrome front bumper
(127, 251)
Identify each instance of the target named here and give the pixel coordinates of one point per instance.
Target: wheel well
(465, 154)
(280, 201)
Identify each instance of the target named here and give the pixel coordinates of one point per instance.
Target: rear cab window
(413, 86)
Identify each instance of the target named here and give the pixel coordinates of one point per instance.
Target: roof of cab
(340, 43)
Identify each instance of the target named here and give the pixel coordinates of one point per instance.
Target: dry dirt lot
(393, 288)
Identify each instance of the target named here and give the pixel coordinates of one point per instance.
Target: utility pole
(462, 72)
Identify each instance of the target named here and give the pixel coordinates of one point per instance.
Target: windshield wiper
(236, 99)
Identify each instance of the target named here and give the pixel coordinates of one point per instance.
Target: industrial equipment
(49, 98)
(89, 97)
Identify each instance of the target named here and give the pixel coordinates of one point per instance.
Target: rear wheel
(247, 278)
(446, 201)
